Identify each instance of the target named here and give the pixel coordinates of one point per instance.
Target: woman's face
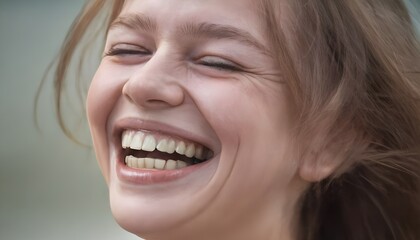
(192, 83)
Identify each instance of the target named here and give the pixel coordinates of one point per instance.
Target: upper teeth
(139, 140)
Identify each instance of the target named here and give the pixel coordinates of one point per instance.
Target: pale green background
(50, 188)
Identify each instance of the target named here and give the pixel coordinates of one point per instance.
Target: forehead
(169, 14)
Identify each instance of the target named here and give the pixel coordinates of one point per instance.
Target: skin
(243, 112)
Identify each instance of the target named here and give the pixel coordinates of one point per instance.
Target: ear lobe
(334, 157)
(330, 149)
(317, 167)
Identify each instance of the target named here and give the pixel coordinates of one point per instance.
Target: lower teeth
(154, 163)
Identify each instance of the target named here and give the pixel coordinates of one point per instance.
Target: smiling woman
(240, 119)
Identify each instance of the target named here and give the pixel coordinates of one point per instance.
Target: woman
(241, 119)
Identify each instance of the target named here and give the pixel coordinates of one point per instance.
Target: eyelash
(219, 65)
(122, 51)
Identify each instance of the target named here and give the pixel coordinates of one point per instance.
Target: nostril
(155, 103)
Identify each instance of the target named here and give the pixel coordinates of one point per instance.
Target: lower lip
(148, 176)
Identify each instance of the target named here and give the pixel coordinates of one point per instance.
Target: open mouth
(147, 150)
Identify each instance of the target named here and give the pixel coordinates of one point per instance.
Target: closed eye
(219, 64)
(126, 49)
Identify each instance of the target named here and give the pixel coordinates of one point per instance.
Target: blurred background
(50, 187)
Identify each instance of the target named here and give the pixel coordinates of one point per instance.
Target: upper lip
(158, 127)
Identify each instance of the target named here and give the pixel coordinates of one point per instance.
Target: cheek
(244, 110)
(254, 126)
(102, 95)
(253, 122)
(104, 92)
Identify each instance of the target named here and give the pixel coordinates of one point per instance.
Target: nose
(155, 85)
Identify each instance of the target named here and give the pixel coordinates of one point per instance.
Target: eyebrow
(135, 22)
(141, 22)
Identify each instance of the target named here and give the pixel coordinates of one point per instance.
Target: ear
(315, 167)
(324, 158)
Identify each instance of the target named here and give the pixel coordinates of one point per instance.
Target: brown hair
(352, 67)
(351, 64)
